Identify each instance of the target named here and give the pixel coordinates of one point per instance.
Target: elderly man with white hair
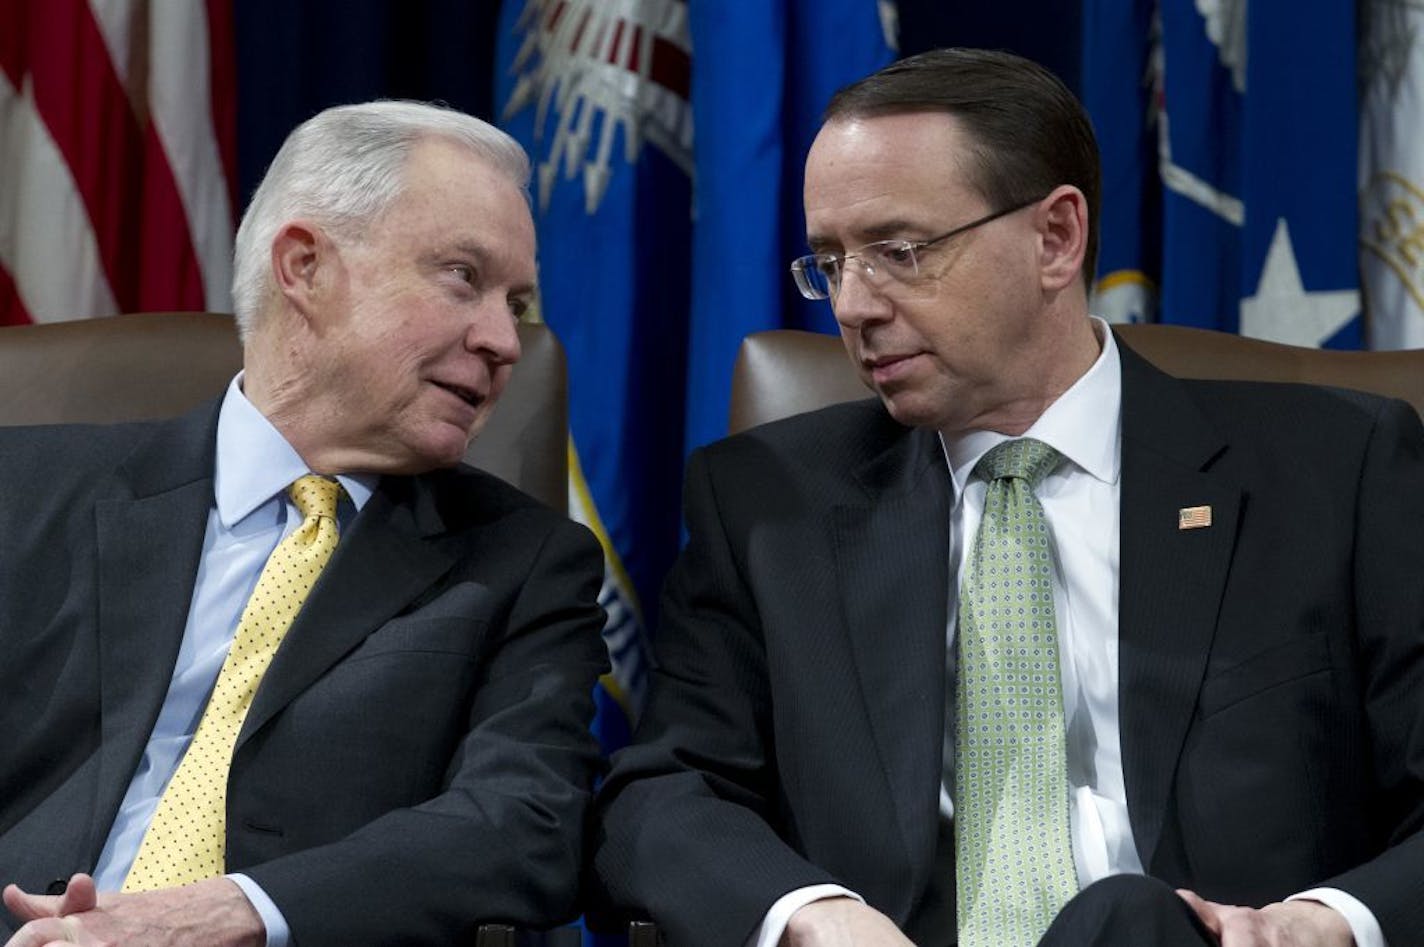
(281, 671)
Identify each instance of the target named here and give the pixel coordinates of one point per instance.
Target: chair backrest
(155, 365)
(785, 372)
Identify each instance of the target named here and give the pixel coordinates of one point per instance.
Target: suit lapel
(381, 567)
(892, 554)
(1171, 582)
(149, 537)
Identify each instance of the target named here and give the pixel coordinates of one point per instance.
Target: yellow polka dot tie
(185, 842)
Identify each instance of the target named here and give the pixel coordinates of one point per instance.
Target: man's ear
(302, 256)
(1062, 219)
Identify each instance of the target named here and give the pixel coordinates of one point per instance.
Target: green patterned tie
(1013, 852)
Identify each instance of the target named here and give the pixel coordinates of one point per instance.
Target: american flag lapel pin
(1193, 517)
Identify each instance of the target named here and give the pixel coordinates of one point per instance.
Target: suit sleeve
(1390, 609)
(503, 841)
(686, 830)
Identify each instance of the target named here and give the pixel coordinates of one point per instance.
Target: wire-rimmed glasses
(818, 275)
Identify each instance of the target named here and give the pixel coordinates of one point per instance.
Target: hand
(841, 922)
(1286, 924)
(213, 913)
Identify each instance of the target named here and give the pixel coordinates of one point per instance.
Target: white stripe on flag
(180, 95)
(46, 241)
(115, 20)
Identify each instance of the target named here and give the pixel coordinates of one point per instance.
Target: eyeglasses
(818, 275)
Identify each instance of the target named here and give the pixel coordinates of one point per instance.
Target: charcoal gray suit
(417, 757)
(1271, 682)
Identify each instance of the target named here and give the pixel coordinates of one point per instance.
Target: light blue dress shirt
(250, 516)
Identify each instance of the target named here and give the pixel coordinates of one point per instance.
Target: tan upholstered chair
(157, 365)
(784, 371)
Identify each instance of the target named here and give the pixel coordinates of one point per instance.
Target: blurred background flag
(667, 140)
(1117, 88)
(598, 92)
(1254, 116)
(1391, 53)
(116, 157)
(763, 71)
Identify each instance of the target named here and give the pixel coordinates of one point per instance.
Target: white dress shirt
(1080, 501)
(251, 514)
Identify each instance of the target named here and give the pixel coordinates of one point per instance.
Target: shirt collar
(255, 463)
(1082, 424)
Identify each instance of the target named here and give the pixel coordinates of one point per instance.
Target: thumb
(79, 896)
(1205, 910)
(29, 907)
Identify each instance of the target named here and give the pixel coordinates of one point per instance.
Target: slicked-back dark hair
(1030, 133)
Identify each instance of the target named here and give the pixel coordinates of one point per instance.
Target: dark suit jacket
(1271, 666)
(417, 757)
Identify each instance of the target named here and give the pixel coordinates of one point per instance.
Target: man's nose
(495, 333)
(859, 299)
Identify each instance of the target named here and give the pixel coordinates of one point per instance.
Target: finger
(29, 907)
(47, 932)
(79, 896)
(1205, 910)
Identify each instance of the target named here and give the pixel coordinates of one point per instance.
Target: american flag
(1193, 517)
(117, 126)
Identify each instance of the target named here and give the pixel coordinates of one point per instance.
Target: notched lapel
(892, 555)
(385, 563)
(149, 538)
(1171, 582)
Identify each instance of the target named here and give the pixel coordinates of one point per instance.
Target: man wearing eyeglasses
(1042, 646)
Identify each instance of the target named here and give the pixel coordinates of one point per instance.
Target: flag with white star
(1228, 133)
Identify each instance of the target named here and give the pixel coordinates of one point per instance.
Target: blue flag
(1228, 134)
(598, 95)
(763, 71)
(667, 141)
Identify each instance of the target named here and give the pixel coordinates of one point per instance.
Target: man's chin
(908, 409)
(442, 447)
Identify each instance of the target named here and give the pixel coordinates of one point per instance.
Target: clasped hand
(1286, 924)
(213, 913)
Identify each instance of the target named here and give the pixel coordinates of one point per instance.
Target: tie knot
(315, 496)
(1026, 459)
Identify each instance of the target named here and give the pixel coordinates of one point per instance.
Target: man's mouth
(884, 369)
(470, 396)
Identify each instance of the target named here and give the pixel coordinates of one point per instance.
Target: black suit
(1271, 683)
(417, 757)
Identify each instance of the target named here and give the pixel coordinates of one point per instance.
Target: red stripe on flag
(635, 53)
(12, 308)
(120, 173)
(222, 55)
(671, 67)
(554, 16)
(15, 14)
(617, 41)
(80, 100)
(170, 276)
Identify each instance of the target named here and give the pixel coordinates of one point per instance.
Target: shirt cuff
(278, 933)
(774, 924)
(1360, 918)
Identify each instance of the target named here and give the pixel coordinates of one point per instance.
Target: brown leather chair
(785, 372)
(155, 365)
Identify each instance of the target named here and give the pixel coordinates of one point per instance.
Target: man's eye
(518, 307)
(828, 265)
(897, 254)
(463, 271)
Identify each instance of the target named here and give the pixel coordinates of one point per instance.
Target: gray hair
(343, 168)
